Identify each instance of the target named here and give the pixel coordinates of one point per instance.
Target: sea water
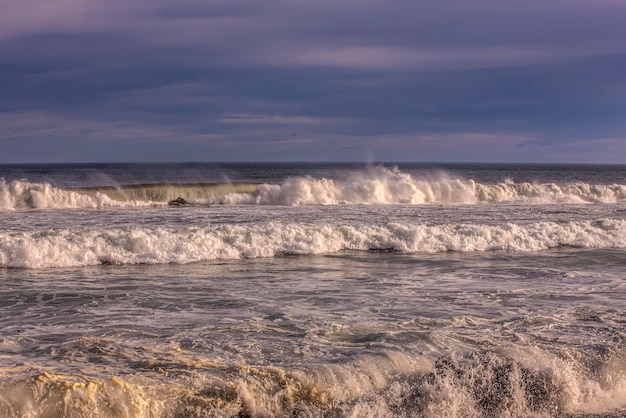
(315, 290)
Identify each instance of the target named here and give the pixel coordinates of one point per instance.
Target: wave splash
(388, 384)
(144, 245)
(381, 185)
(375, 186)
(25, 195)
(21, 194)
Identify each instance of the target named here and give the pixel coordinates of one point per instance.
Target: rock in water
(178, 202)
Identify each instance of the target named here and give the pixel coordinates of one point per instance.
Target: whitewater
(330, 290)
(371, 186)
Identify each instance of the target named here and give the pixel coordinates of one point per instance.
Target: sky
(313, 80)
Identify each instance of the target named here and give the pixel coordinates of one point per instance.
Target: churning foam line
(65, 247)
(378, 185)
(385, 384)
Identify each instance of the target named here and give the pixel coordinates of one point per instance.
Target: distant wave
(378, 185)
(20, 195)
(143, 245)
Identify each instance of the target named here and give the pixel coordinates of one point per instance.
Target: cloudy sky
(313, 80)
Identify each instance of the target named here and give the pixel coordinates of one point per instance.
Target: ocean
(312, 290)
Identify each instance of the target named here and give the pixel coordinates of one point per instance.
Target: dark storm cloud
(285, 80)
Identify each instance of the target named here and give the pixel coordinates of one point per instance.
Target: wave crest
(21, 194)
(65, 248)
(375, 186)
(381, 185)
(387, 384)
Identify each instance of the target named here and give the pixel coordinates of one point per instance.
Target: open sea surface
(312, 290)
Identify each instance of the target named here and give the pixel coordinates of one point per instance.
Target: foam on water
(141, 245)
(378, 185)
(473, 334)
(20, 195)
(527, 382)
(25, 195)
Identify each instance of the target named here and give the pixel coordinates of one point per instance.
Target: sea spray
(383, 186)
(375, 186)
(23, 195)
(387, 384)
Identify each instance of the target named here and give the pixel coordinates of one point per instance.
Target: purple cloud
(342, 76)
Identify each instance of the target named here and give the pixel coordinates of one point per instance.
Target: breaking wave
(388, 384)
(25, 195)
(144, 245)
(19, 195)
(381, 185)
(378, 185)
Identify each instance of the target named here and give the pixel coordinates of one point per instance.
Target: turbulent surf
(373, 186)
(319, 290)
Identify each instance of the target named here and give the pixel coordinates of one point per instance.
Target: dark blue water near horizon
(113, 174)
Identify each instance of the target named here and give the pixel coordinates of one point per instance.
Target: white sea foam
(375, 186)
(67, 247)
(380, 185)
(388, 384)
(26, 195)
